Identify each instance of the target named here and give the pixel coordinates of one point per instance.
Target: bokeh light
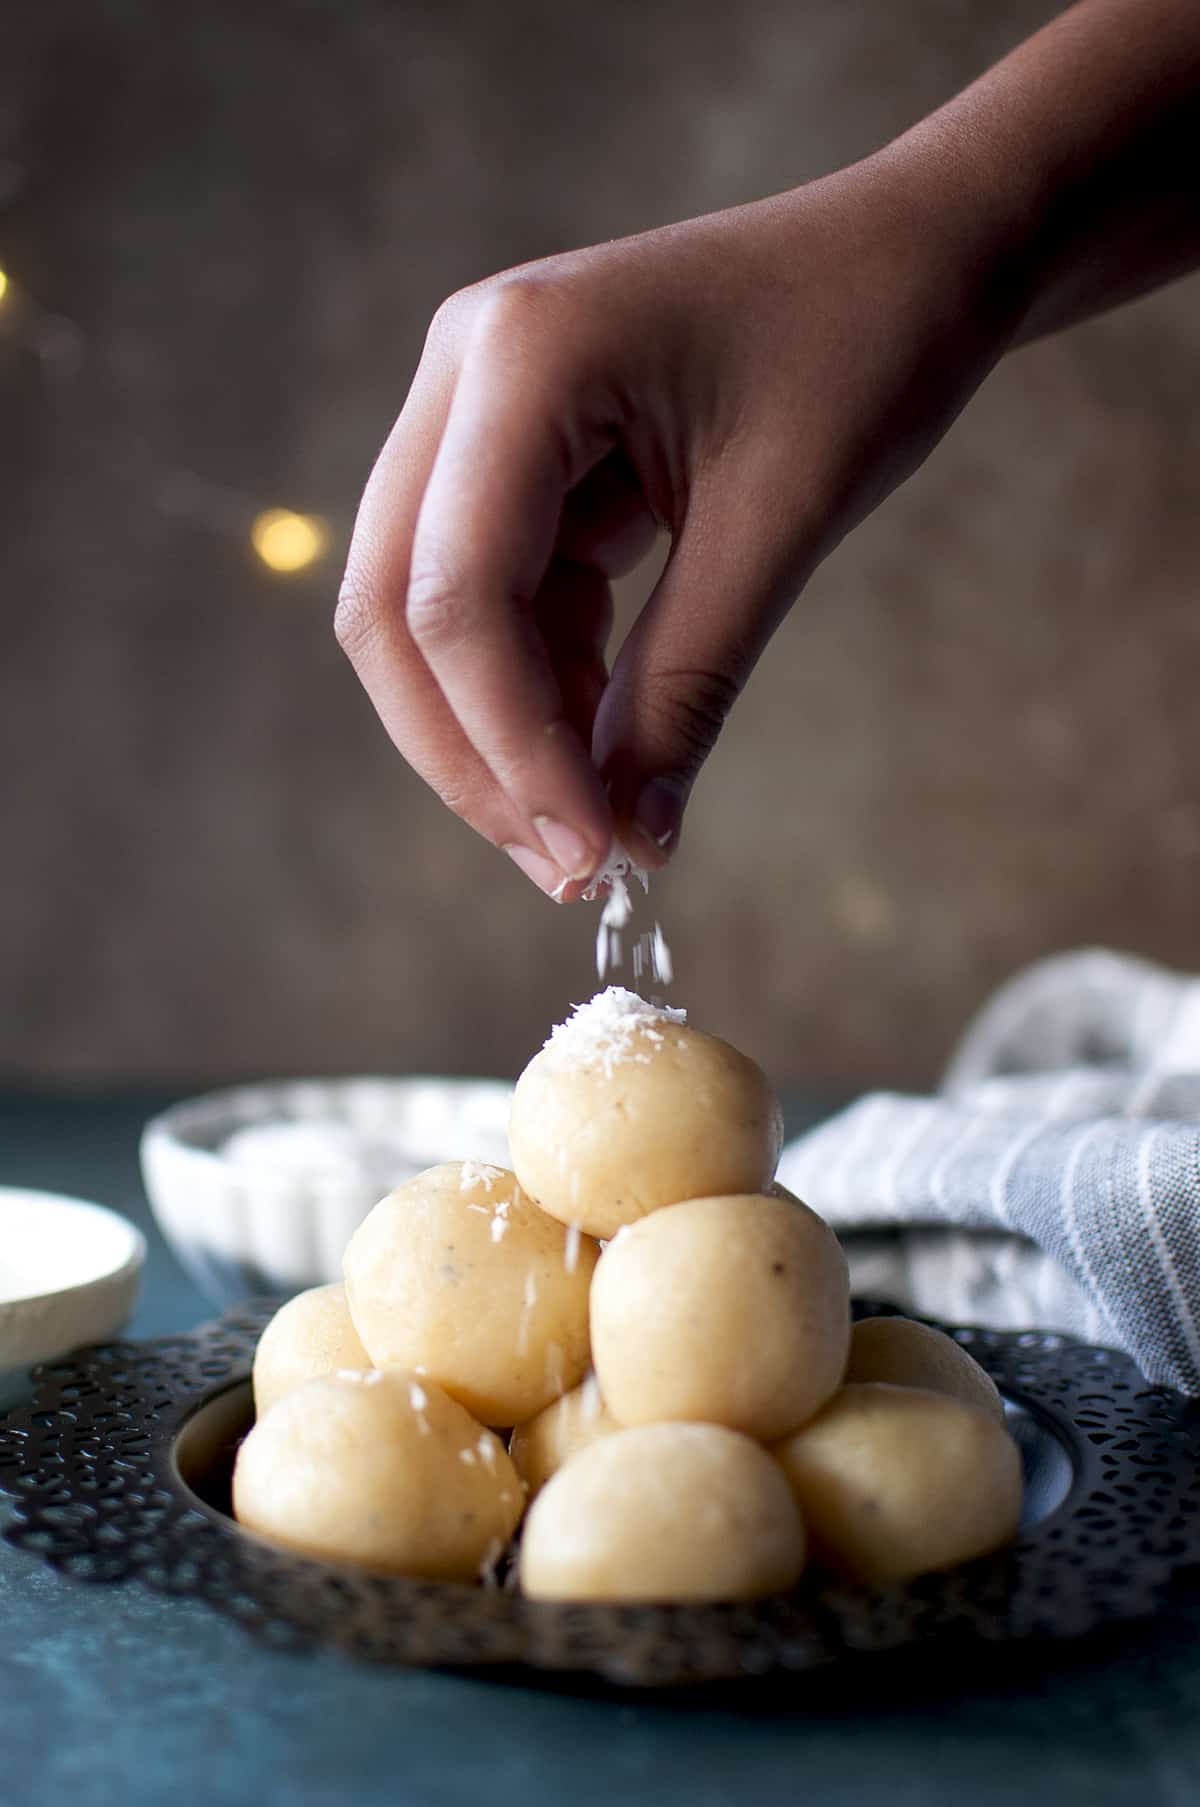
(3, 284)
(288, 542)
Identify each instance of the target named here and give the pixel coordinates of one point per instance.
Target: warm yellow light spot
(288, 542)
(3, 283)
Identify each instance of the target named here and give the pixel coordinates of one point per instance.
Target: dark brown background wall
(977, 739)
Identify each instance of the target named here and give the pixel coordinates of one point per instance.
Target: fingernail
(565, 845)
(544, 873)
(659, 811)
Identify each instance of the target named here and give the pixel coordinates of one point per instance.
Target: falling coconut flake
(651, 954)
(589, 1398)
(571, 1248)
(490, 1562)
(530, 1302)
(613, 918)
(616, 871)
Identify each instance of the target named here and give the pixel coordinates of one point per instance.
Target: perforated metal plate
(120, 1469)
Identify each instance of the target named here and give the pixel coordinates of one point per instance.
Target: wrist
(943, 245)
(981, 212)
(1076, 138)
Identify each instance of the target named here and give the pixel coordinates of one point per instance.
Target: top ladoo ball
(627, 1108)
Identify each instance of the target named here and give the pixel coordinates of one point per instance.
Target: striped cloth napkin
(1053, 1182)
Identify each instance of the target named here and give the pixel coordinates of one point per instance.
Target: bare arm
(1088, 137)
(754, 381)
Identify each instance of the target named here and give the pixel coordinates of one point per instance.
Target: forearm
(1080, 153)
(756, 381)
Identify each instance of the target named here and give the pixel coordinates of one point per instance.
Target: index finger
(372, 630)
(515, 443)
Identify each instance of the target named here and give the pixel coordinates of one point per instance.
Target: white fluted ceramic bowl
(69, 1274)
(258, 1189)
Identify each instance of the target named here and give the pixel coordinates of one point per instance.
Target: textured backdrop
(226, 226)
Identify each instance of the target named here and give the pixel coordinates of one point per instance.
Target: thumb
(726, 587)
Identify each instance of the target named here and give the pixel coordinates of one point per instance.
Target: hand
(753, 382)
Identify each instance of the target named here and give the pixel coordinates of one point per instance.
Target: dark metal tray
(120, 1468)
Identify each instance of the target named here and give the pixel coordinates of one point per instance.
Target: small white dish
(69, 1274)
(258, 1189)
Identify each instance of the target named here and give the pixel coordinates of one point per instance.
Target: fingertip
(539, 870)
(649, 814)
(658, 812)
(641, 850)
(570, 890)
(567, 848)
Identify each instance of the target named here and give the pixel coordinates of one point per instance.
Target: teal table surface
(113, 1695)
